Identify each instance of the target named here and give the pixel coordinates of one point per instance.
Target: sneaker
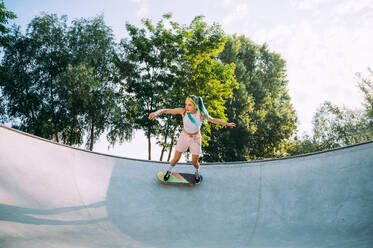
(167, 176)
(198, 178)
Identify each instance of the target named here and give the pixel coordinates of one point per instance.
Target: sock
(170, 168)
(197, 170)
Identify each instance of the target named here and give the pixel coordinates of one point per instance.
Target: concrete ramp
(61, 197)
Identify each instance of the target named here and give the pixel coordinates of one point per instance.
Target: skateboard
(178, 178)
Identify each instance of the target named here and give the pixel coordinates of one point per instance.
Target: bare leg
(176, 158)
(195, 161)
(196, 165)
(173, 163)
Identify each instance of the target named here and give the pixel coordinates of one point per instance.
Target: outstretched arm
(166, 111)
(218, 121)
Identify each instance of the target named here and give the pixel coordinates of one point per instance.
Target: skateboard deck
(178, 178)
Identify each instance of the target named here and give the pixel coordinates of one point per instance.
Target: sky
(324, 42)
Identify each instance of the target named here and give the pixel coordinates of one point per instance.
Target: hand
(231, 124)
(152, 116)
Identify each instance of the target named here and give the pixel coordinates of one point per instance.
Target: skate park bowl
(57, 196)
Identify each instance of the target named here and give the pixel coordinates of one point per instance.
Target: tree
(144, 63)
(92, 48)
(31, 62)
(303, 145)
(261, 105)
(161, 66)
(201, 71)
(62, 83)
(5, 16)
(365, 84)
(334, 127)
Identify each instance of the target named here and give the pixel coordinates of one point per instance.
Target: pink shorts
(193, 142)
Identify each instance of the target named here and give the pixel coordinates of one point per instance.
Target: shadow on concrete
(324, 200)
(25, 215)
(212, 214)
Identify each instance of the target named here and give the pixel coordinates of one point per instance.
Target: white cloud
(236, 14)
(143, 8)
(352, 7)
(315, 7)
(227, 2)
(321, 61)
(308, 4)
(143, 11)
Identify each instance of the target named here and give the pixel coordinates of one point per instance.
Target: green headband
(189, 98)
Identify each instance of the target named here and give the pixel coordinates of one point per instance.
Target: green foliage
(334, 127)
(144, 63)
(365, 84)
(5, 16)
(93, 52)
(302, 146)
(30, 63)
(161, 66)
(261, 106)
(202, 73)
(61, 82)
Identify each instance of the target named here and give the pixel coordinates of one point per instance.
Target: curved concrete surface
(57, 196)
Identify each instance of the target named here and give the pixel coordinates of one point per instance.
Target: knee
(174, 161)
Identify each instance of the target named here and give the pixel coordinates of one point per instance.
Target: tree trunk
(172, 144)
(91, 143)
(164, 143)
(163, 148)
(56, 133)
(149, 146)
(70, 137)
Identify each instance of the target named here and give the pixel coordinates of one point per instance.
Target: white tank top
(189, 126)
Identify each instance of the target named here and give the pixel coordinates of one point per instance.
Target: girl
(193, 115)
